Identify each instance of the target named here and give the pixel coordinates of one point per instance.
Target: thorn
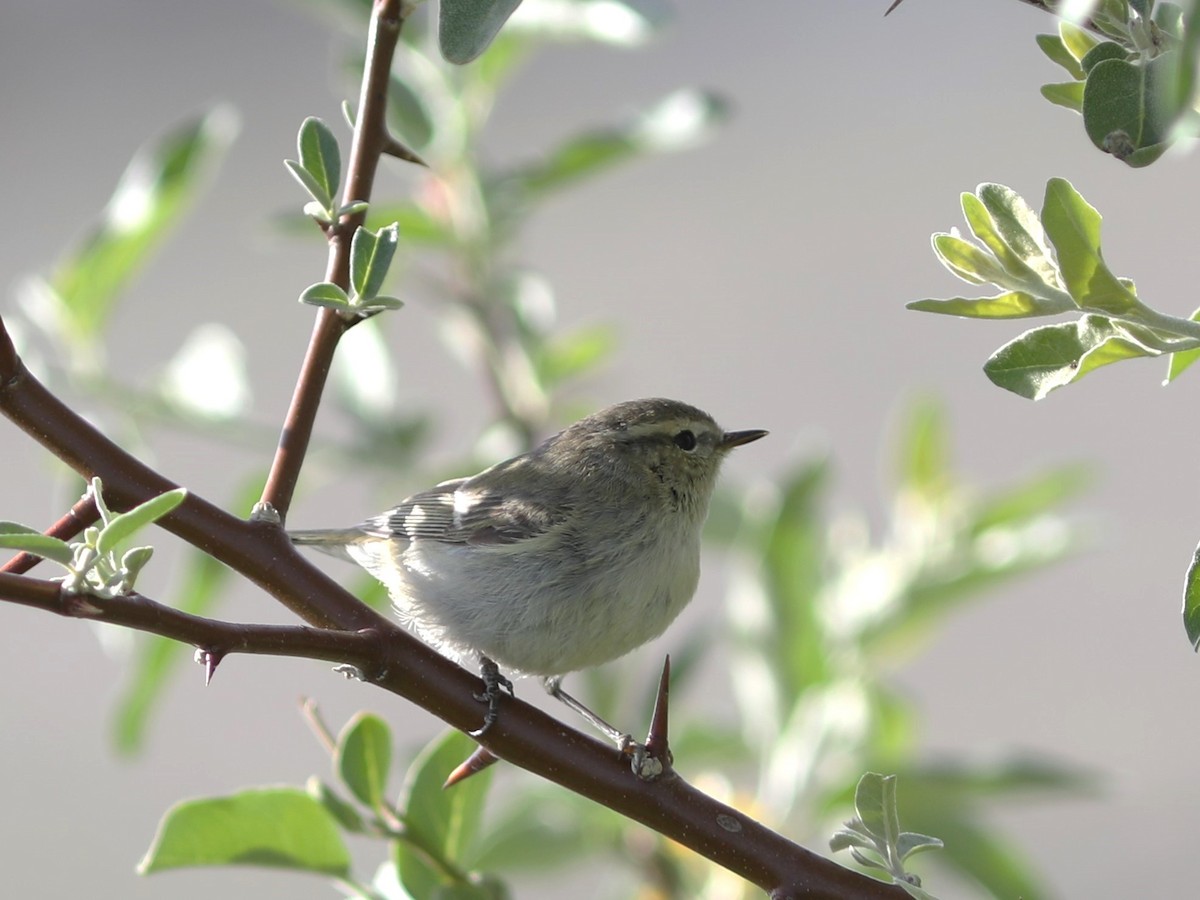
(210, 659)
(472, 765)
(657, 747)
(394, 147)
(893, 6)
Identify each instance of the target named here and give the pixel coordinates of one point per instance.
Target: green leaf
(1068, 94)
(443, 823)
(1121, 110)
(1098, 54)
(364, 757)
(410, 116)
(966, 260)
(1012, 305)
(1073, 227)
(152, 195)
(923, 451)
(875, 804)
(320, 157)
(571, 355)
(979, 218)
(1020, 229)
(1076, 41)
(321, 207)
(28, 540)
(466, 27)
(1019, 504)
(278, 827)
(327, 294)
(678, 121)
(129, 523)
(156, 657)
(1052, 45)
(1178, 363)
(370, 256)
(1191, 601)
(1051, 356)
(794, 571)
(345, 812)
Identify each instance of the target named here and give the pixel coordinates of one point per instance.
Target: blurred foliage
(818, 611)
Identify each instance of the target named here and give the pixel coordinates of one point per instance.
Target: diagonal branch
(523, 735)
(371, 140)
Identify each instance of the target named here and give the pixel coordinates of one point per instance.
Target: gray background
(762, 277)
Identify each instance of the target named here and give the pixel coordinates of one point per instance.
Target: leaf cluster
(1046, 267)
(1135, 88)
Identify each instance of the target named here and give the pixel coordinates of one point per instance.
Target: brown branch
(371, 140)
(523, 735)
(350, 632)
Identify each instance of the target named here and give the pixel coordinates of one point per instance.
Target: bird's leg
(625, 742)
(494, 685)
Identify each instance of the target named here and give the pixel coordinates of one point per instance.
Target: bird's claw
(494, 686)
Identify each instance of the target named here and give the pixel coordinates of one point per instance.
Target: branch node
(266, 513)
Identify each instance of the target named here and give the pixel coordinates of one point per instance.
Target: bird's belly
(551, 613)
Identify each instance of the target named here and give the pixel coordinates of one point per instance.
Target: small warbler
(559, 559)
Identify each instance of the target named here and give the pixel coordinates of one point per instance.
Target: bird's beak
(733, 439)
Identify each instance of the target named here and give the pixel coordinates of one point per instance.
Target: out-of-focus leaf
(1068, 94)
(1051, 356)
(207, 376)
(280, 827)
(1073, 227)
(156, 657)
(1011, 305)
(345, 812)
(923, 451)
(442, 822)
(1191, 601)
(570, 355)
(676, 122)
(364, 757)
(956, 782)
(538, 831)
(1040, 495)
(466, 27)
(411, 119)
(794, 569)
(152, 195)
(613, 22)
(976, 852)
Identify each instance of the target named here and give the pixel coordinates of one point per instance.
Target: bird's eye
(685, 440)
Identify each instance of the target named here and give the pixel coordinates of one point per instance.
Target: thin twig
(370, 140)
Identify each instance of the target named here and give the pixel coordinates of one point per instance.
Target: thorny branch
(349, 632)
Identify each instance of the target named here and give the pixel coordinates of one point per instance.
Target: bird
(556, 560)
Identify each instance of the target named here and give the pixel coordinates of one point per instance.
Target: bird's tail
(334, 541)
